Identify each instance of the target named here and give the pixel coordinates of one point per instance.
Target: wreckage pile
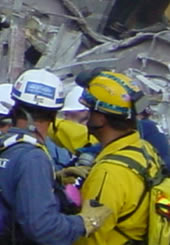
(66, 37)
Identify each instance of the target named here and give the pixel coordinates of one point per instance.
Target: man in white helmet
(29, 201)
(5, 105)
(73, 109)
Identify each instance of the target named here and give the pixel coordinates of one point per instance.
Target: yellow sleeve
(70, 135)
(112, 183)
(102, 182)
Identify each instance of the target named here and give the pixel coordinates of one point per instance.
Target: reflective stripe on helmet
(92, 102)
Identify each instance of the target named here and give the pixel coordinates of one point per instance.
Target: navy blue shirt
(151, 133)
(27, 186)
(60, 156)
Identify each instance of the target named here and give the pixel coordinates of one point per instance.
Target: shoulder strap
(24, 138)
(11, 139)
(136, 167)
(128, 162)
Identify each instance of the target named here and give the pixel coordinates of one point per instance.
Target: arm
(121, 190)
(37, 208)
(104, 182)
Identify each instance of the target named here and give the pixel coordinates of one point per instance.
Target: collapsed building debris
(67, 37)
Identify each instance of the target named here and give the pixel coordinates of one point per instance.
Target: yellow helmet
(113, 93)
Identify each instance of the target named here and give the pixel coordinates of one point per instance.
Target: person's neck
(108, 135)
(41, 126)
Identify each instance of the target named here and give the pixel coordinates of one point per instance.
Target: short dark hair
(37, 113)
(5, 120)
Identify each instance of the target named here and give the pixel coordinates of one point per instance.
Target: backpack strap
(11, 139)
(137, 168)
(128, 162)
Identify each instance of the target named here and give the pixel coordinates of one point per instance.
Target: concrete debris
(67, 36)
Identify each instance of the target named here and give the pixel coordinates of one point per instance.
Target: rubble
(66, 36)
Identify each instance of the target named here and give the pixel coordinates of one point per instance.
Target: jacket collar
(119, 144)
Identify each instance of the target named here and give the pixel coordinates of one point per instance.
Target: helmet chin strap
(94, 127)
(30, 124)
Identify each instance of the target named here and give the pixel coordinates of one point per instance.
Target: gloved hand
(93, 216)
(68, 175)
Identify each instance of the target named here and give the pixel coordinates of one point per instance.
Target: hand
(94, 216)
(68, 175)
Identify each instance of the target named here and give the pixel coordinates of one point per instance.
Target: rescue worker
(119, 15)
(113, 101)
(72, 109)
(151, 132)
(30, 208)
(5, 105)
(139, 14)
(151, 12)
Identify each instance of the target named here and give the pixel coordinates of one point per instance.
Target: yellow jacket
(121, 192)
(122, 187)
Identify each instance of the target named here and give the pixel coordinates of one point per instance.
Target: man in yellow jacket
(113, 101)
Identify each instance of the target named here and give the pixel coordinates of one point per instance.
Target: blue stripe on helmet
(93, 102)
(16, 92)
(59, 101)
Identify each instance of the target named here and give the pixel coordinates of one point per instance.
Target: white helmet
(39, 87)
(71, 102)
(5, 98)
